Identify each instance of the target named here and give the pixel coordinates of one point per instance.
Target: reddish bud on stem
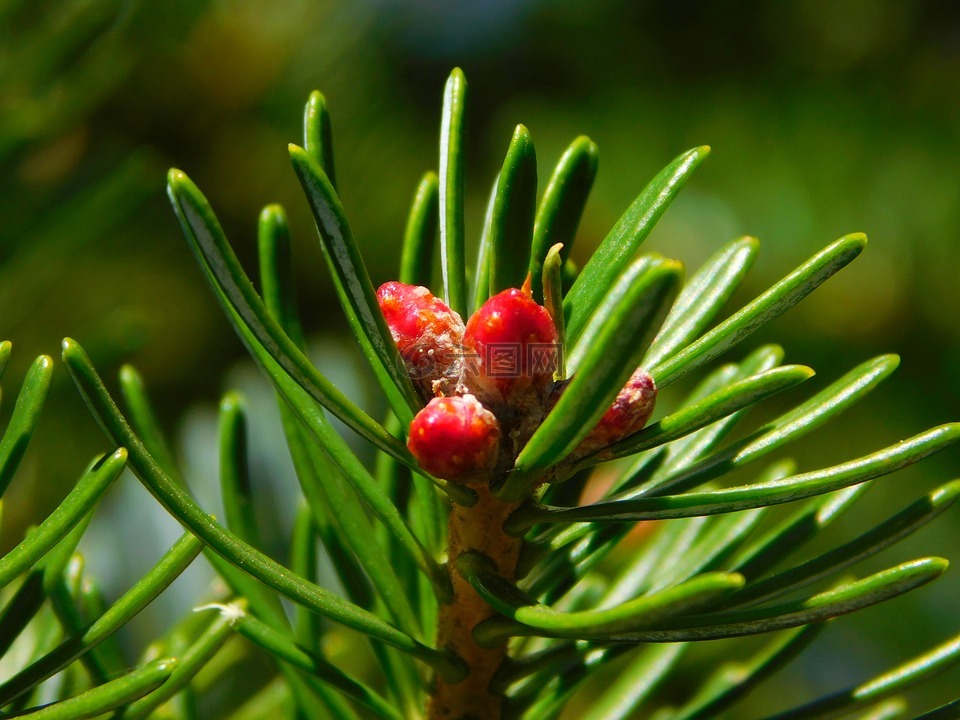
(455, 438)
(515, 342)
(428, 334)
(629, 412)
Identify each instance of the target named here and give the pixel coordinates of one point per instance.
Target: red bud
(428, 334)
(515, 345)
(455, 438)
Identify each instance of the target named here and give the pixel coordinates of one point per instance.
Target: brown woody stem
(473, 529)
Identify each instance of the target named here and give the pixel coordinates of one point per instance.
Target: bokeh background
(824, 117)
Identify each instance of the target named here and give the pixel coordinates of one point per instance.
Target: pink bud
(629, 412)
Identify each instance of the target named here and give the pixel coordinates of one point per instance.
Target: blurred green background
(824, 118)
